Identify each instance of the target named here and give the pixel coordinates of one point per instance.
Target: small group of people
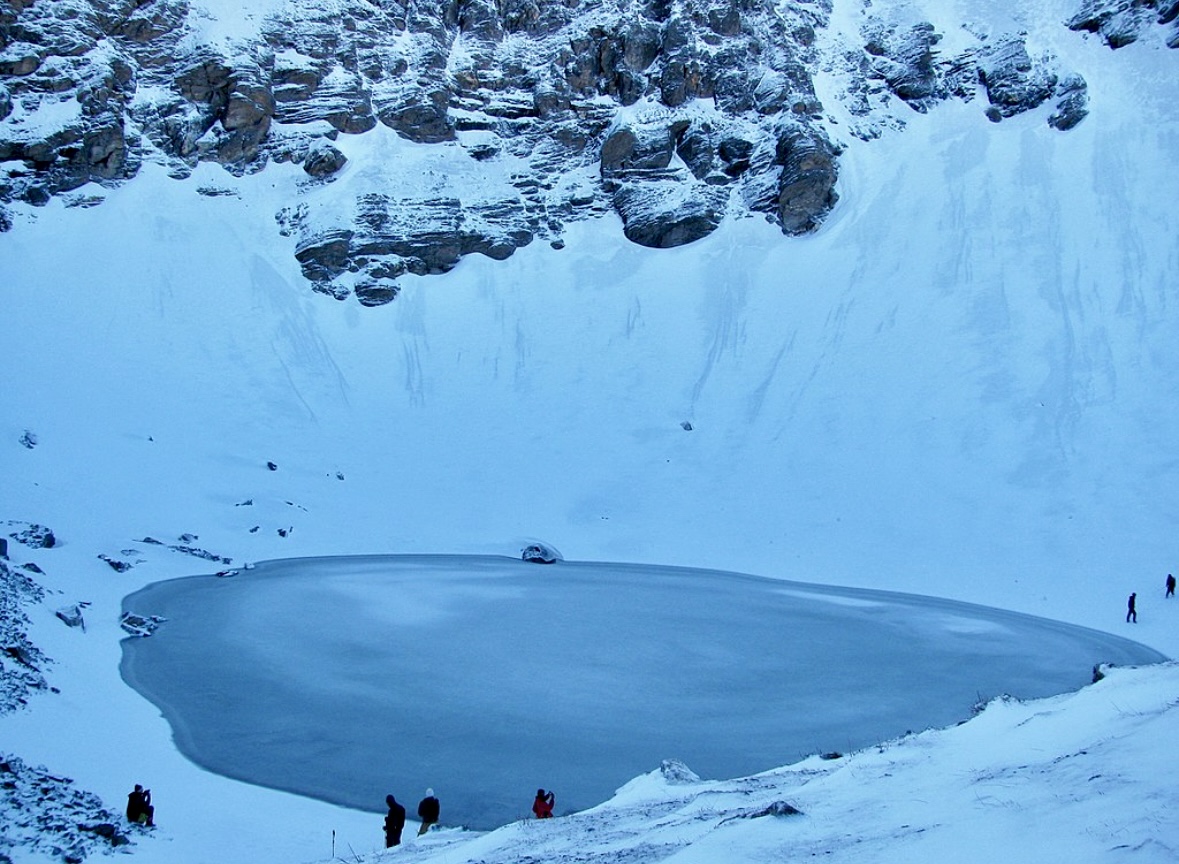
(1132, 600)
(428, 812)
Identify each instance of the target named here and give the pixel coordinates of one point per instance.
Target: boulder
(806, 185)
(323, 159)
(1013, 81)
(676, 773)
(140, 625)
(420, 115)
(36, 536)
(669, 209)
(71, 615)
(1072, 103)
(325, 255)
(540, 553)
(905, 60)
(19, 59)
(1117, 22)
(632, 148)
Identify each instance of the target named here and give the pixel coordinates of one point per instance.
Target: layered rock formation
(671, 113)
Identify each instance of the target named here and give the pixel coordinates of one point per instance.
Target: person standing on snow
(543, 805)
(428, 812)
(394, 822)
(1170, 585)
(1131, 611)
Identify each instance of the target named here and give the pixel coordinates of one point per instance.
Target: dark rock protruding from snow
(806, 186)
(905, 59)
(540, 553)
(677, 773)
(48, 815)
(1013, 80)
(669, 113)
(34, 535)
(323, 159)
(21, 662)
(71, 615)
(1122, 22)
(1072, 103)
(140, 625)
(534, 88)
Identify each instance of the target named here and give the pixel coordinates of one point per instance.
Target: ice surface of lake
(486, 677)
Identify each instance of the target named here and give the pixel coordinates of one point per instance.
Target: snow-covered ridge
(1081, 777)
(532, 111)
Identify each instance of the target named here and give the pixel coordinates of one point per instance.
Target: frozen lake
(485, 677)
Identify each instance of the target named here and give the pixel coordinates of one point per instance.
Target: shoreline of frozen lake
(486, 677)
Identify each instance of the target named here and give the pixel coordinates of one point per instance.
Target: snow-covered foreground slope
(1080, 778)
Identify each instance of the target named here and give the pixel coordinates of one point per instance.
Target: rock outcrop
(22, 664)
(671, 113)
(1121, 22)
(48, 815)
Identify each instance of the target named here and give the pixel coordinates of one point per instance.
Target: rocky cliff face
(670, 113)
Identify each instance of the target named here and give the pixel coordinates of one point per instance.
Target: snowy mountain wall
(668, 113)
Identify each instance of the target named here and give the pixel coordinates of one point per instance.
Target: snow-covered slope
(963, 385)
(1076, 778)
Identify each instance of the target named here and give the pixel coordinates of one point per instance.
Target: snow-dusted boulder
(675, 772)
(140, 625)
(1121, 22)
(1072, 103)
(666, 209)
(323, 159)
(540, 553)
(34, 535)
(904, 58)
(71, 615)
(1013, 80)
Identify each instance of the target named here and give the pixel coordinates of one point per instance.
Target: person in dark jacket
(139, 807)
(543, 805)
(394, 822)
(1170, 585)
(428, 811)
(1131, 610)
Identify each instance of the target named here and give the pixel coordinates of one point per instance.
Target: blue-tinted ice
(486, 677)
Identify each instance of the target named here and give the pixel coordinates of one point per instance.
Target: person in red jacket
(543, 805)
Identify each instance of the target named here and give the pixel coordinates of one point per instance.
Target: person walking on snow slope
(1131, 611)
(1170, 585)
